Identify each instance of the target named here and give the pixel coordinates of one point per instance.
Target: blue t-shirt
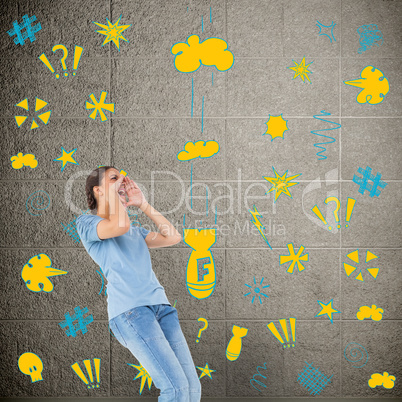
(126, 263)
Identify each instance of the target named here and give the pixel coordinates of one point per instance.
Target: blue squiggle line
(315, 132)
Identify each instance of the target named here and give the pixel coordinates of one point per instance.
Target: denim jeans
(153, 335)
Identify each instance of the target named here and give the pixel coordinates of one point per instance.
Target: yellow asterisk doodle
(205, 371)
(112, 32)
(326, 309)
(280, 184)
(301, 70)
(144, 375)
(98, 106)
(294, 258)
(66, 157)
(276, 126)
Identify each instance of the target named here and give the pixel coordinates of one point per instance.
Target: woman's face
(110, 177)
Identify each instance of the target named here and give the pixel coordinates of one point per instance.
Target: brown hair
(94, 179)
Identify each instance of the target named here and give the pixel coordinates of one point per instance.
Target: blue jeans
(153, 335)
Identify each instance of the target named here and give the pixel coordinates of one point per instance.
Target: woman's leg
(169, 322)
(139, 331)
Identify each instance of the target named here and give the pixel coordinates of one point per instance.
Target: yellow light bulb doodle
(338, 207)
(63, 59)
(205, 321)
(234, 346)
(200, 271)
(31, 364)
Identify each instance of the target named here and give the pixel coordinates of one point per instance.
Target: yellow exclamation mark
(275, 333)
(285, 331)
(46, 62)
(87, 364)
(97, 371)
(77, 56)
(293, 330)
(317, 211)
(76, 367)
(350, 204)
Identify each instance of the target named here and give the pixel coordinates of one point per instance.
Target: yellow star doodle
(301, 70)
(327, 309)
(66, 157)
(112, 32)
(280, 184)
(205, 371)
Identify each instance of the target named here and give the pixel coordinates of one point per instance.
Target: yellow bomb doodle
(200, 272)
(234, 346)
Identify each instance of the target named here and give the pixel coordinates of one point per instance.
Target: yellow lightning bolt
(258, 224)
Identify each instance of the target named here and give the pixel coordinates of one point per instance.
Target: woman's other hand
(135, 196)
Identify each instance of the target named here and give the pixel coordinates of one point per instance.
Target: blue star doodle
(257, 290)
(327, 26)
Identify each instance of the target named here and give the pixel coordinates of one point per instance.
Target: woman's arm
(167, 235)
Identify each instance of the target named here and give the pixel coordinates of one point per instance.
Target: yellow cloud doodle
(210, 52)
(386, 380)
(373, 312)
(200, 149)
(375, 86)
(37, 271)
(20, 160)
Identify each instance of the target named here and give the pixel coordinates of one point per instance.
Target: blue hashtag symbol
(78, 316)
(365, 185)
(29, 32)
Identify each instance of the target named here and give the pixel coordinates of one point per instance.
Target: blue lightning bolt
(258, 224)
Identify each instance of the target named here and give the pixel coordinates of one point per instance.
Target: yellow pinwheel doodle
(37, 271)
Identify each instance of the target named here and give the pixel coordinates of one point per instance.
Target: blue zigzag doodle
(315, 132)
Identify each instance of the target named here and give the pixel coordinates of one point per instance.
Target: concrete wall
(158, 109)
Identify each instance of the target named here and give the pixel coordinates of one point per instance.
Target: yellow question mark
(63, 59)
(203, 328)
(338, 206)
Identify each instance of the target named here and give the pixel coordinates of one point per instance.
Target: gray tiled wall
(151, 124)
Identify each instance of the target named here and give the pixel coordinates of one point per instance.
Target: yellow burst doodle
(276, 126)
(301, 70)
(144, 375)
(280, 184)
(374, 86)
(112, 32)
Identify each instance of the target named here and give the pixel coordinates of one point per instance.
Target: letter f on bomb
(200, 274)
